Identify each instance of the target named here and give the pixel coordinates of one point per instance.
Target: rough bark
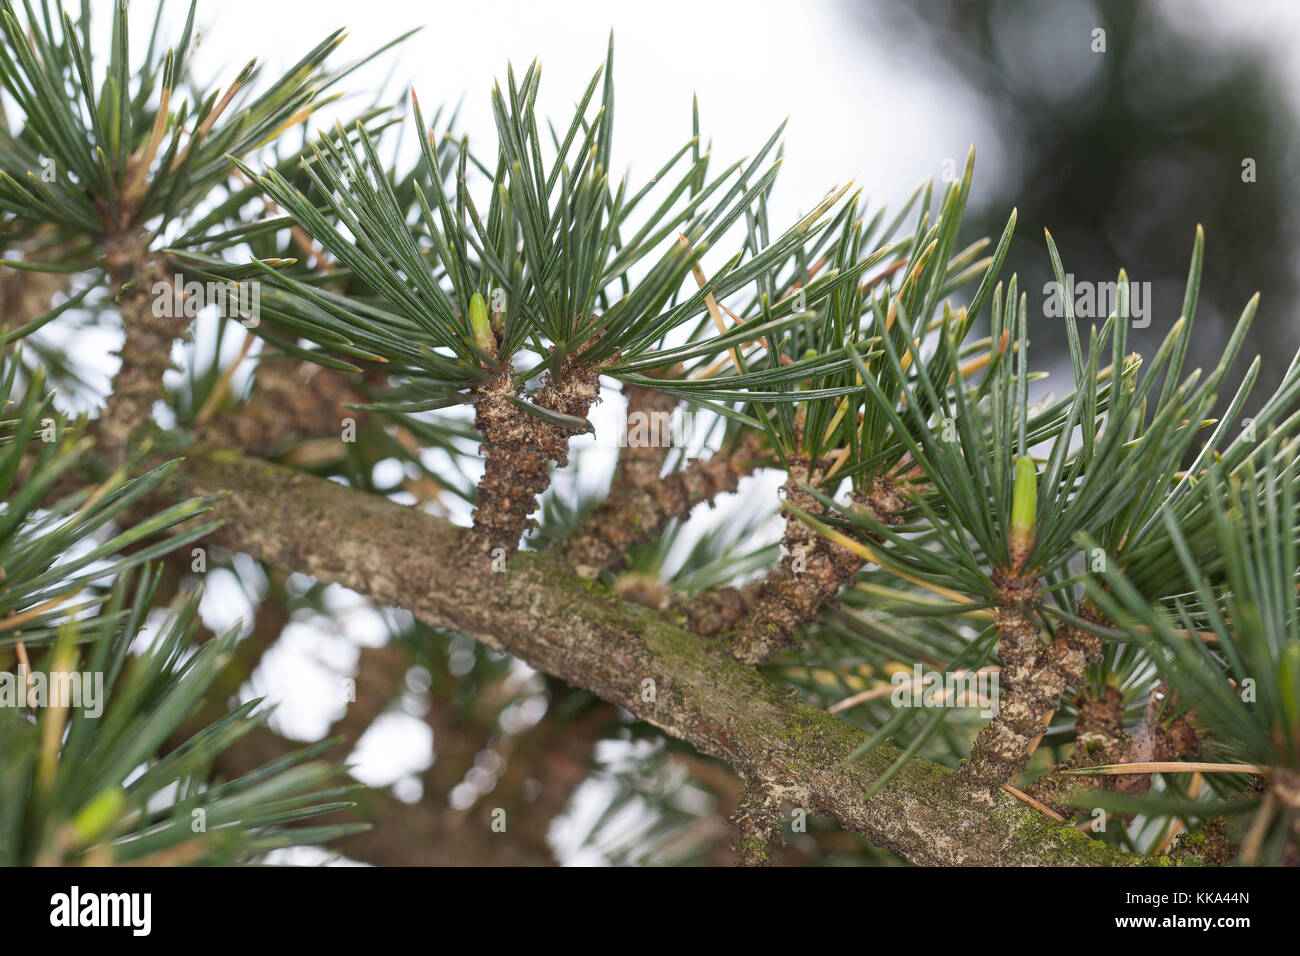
(813, 569)
(292, 401)
(146, 351)
(713, 612)
(1159, 738)
(1034, 675)
(1099, 738)
(632, 516)
(641, 461)
(546, 616)
(758, 818)
(518, 449)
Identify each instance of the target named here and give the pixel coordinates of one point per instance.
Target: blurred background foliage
(1122, 153)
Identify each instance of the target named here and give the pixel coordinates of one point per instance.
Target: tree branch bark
(690, 688)
(633, 515)
(150, 327)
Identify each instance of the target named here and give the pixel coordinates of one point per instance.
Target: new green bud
(481, 325)
(1024, 512)
(98, 815)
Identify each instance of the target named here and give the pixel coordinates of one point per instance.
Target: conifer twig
(626, 519)
(813, 567)
(518, 448)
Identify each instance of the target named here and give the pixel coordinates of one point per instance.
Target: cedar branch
(544, 615)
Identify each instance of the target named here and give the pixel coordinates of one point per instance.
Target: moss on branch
(544, 614)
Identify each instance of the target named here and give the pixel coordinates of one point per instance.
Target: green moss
(754, 849)
(794, 732)
(728, 710)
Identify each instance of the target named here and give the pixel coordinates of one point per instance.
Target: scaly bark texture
(1099, 738)
(1212, 846)
(1159, 738)
(518, 449)
(712, 612)
(633, 515)
(540, 612)
(516, 468)
(146, 351)
(1034, 675)
(813, 569)
(292, 401)
(758, 818)
(641, 459)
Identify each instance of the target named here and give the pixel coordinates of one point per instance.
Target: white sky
(752, 64)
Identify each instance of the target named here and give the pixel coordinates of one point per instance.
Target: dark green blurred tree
(1122, 152)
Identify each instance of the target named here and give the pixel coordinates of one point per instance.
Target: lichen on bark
(584, 635)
